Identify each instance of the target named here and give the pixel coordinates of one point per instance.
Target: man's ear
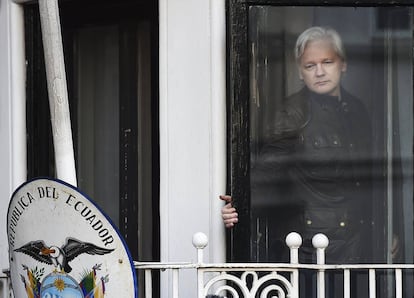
(300, 74)
(344, 66)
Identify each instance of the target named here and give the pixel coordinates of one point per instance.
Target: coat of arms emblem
(61, 245)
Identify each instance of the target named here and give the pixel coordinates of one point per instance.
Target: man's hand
(395, 247)
(228, 212)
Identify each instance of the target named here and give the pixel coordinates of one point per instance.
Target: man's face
(320, 68)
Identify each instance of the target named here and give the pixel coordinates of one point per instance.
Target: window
(111, 57)
(311, 156)
(295, 163)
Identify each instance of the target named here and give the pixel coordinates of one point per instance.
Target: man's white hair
(316, 34)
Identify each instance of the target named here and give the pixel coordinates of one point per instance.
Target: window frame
(238, 94)
(39, 141)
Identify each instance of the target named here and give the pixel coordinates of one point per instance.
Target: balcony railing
(276, 280)
(5, 285)
(282, 279)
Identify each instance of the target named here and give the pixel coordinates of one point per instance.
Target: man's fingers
(229, 225)
(228, 212)
(229, 215)
(230, 222)
(226, 198)
(228, 208)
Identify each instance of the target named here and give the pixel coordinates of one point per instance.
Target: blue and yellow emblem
(62, 285)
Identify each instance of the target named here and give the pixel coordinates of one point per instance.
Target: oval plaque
(62, 245)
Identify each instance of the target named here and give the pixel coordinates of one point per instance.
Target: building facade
(169, 102)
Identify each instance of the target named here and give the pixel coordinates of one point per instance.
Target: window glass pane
(97, 80)
(331, 132)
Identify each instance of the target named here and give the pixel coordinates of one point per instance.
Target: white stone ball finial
(200, 240)
(320, 241)
(293, 240)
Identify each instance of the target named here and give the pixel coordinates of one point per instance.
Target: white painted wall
(192, 130)
(5, 128)
(192, 125)
(12, 112)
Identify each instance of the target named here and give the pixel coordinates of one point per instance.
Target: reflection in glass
(98, 116)
(355, 147)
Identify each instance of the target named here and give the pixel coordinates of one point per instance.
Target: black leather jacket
(314, 175)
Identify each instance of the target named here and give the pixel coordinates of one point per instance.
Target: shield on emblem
(62, 245)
